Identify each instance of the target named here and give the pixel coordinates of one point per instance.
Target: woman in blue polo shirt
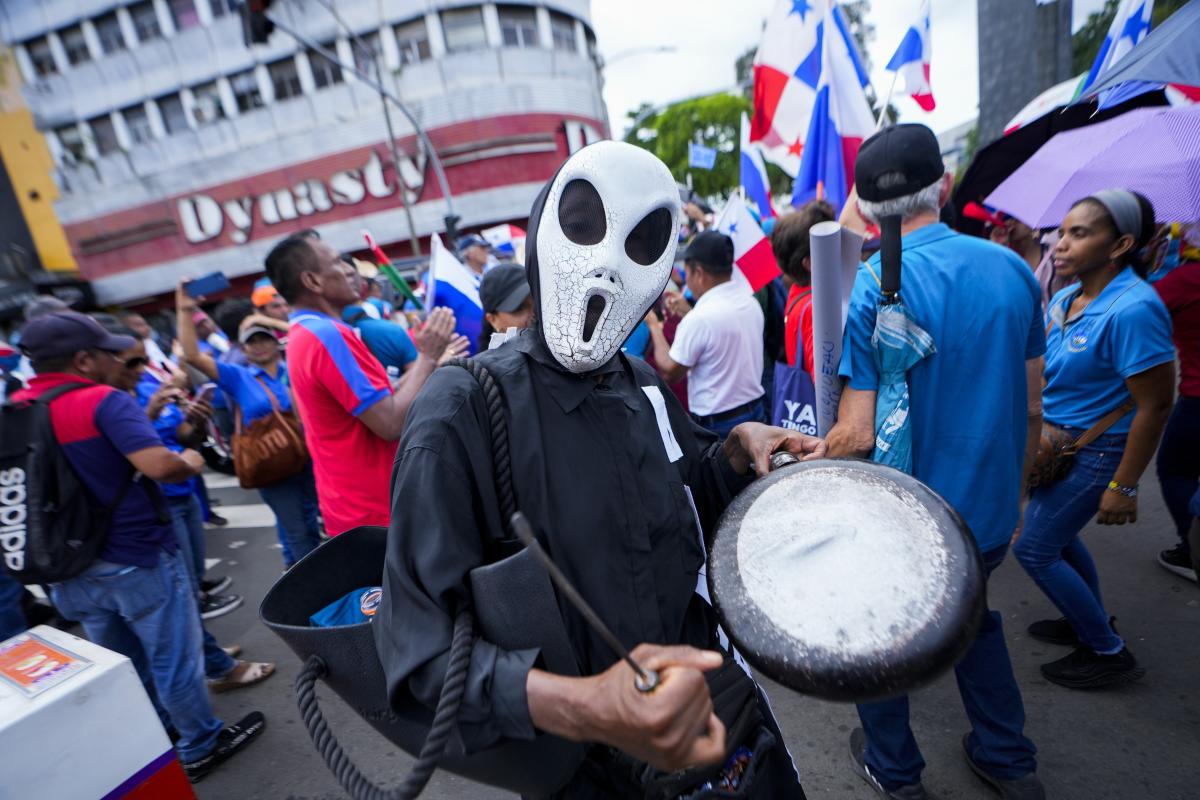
(293, 500)
(1108, 343)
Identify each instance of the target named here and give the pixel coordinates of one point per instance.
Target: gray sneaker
(858, 753)
(1027, 787)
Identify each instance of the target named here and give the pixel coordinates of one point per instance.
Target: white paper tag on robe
(674, 451)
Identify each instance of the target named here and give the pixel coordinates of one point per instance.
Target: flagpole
(887, 102)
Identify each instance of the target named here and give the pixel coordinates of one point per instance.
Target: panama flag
(504, 239)
(754, 174)
(1129, 26)
(451, 285)
(841, 120)
(787, 67)
(912, 60)
(753, 259)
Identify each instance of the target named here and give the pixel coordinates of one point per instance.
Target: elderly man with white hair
(975, 416)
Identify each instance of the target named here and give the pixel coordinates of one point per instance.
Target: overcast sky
(709, 35)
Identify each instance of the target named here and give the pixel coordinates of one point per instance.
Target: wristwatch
(1128, 491)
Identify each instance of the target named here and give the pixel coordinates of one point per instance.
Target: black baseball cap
(712, 249)
(64, 333)
(908, 155)
(503, 288)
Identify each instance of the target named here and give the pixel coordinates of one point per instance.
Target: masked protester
(618, 484)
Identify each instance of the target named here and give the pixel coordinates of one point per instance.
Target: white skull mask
(604, 245)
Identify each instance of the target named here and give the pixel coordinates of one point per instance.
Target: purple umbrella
(1154, 151)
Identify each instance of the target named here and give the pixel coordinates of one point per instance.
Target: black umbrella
(995, 162)
(1167, 55)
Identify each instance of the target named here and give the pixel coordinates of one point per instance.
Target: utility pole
(366, 49)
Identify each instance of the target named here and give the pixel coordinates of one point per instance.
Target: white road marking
(255, 515)
(215, 480)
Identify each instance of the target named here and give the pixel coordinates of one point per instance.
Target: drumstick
(647, 679)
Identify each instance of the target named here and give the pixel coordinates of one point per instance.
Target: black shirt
(592, 473)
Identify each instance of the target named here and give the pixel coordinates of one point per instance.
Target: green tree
(713, 121)
(1085, 44)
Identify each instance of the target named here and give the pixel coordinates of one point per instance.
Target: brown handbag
(271, 449)
(1057, 449)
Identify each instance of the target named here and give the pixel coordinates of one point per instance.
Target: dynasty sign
(203, 218)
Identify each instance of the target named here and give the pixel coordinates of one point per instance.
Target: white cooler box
(76, 724)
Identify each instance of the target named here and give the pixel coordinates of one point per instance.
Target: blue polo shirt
(1124, 331)
(386, 340)
(242, 384)
(968, 407)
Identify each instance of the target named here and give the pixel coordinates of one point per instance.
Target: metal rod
(438, 171)
(357, 42)
(647, 679)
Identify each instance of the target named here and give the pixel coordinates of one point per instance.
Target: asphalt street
(1136, 741)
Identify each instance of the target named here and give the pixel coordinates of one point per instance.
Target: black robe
(591, 472)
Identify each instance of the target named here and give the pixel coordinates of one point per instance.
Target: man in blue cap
(134, 598)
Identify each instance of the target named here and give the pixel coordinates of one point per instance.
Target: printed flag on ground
(911, 60)
(787, 67)
(451, 285)
(841, 120)
(754, 174)
(1129, 26)
(753, 259)
(504, 239)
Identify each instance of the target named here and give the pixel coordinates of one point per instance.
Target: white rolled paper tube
(825, 240)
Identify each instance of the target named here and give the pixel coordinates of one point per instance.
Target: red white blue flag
(753, 171)
(911, 60)
(787, 69)
(841, 119)
(754, 262)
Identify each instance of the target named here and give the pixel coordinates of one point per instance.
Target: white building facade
(181, 151)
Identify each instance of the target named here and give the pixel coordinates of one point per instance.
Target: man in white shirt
(719, 344)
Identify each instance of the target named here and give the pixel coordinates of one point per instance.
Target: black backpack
(51, 528)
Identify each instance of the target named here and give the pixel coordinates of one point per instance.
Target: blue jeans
(1178, 465)
(990, 697)
(1051, 551)
(756, 413)
(294, 502)
(12, 614)
(149, 615)
(189, 532)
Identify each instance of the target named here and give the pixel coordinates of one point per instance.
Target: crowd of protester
(1061, 327)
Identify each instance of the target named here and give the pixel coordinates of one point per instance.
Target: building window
(463, 28)
(170, 108)
(138, 123)
(73, 151)
(104, 135)
(518, 26)
(562, 31)
(75, 45)
(207, 108)
(413, 40)
(145, 21)
(222, 7)
(285, 78)
(325, 72)
(245, 90)
(366, 49)
(108, 30)
(183, 12)
(42, 58)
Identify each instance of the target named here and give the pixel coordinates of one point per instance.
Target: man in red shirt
(1178, 467)
(352, 419)
(135, 598)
